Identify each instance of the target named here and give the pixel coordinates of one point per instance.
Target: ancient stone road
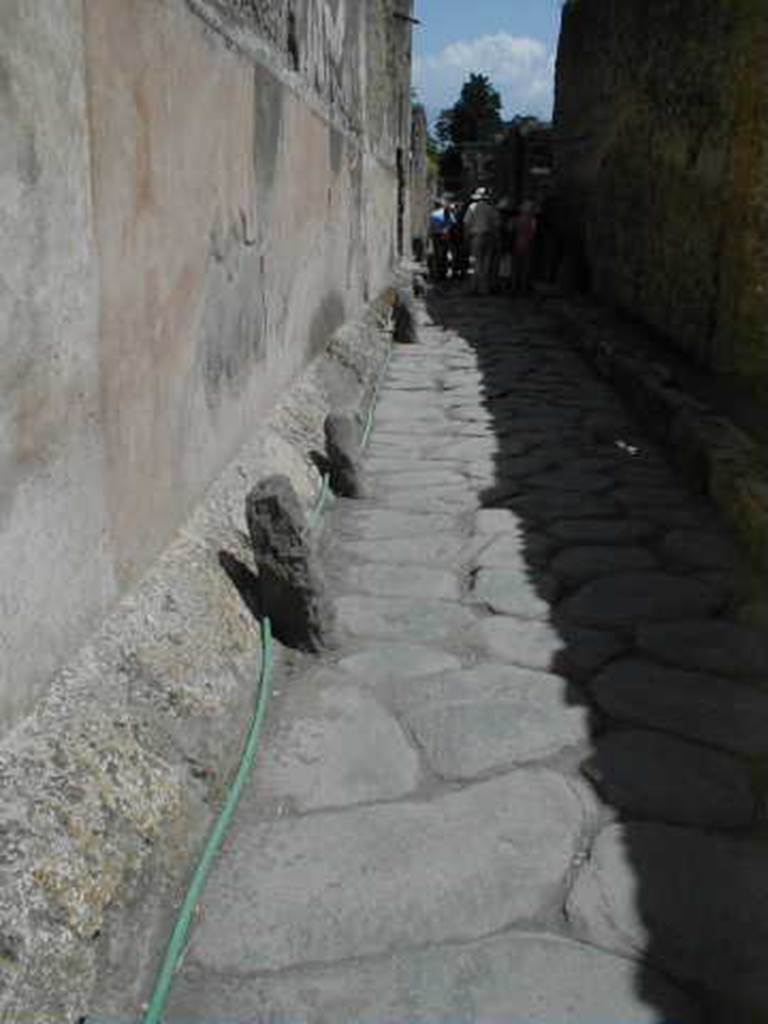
(524, 788)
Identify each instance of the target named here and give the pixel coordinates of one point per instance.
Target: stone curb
(112, 783)
(716, 457)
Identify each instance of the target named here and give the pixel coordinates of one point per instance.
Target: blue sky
(514, 42)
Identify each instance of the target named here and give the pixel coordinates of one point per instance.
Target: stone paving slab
(571, 479)
(430, 499)
(489, 718)
(722, 647)
(700, 707)
(468, 449)
(602, 531)
(401, 661)
(401, 581)
(499, 520)
(431, 622)
(694, 904)
(522, 978)
(442, 549)
(580, 564)
(418, 478)
(625, 599)
(511, 592)
(546, 647)
(368, 523)
(650, 775)
(331, 886)
(334, 747)
(404, 466)
(519, 551)
(700, 549)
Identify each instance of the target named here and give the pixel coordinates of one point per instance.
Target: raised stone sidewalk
(528, 786)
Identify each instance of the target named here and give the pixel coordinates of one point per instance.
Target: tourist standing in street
(481, 227)
(506, 244)
(441, 226)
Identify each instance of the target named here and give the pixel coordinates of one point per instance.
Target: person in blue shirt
(442, 225)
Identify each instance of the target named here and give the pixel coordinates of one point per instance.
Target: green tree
(474, 117)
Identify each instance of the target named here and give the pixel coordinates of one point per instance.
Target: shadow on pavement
(642, 584)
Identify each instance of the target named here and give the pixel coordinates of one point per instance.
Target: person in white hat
(481, 227)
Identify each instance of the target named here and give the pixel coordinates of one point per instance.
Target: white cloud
(521, 69)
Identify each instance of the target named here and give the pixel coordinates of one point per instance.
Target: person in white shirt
(481, 227)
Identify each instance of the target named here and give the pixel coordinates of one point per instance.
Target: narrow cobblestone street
(504, 794)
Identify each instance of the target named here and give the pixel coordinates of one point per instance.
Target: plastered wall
(193, 195)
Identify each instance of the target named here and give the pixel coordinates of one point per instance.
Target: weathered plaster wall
(56, 567)
(193, 196)
(662, 139)
(423, 184)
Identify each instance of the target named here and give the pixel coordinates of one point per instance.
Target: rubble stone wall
(662, 165)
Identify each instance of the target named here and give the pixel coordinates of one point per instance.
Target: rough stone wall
(193, 195)
(662, 167)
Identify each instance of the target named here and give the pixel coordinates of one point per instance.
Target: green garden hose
(178, 943)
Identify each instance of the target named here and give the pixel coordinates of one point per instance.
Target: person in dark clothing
(505, 266)
(525, 232)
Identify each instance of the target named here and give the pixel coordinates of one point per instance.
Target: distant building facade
(517, 163)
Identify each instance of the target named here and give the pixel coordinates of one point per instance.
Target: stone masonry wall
(422, 177)
(662, 153)
(200, 204)
(193, 196)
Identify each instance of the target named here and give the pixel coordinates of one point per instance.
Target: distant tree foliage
(474, 117)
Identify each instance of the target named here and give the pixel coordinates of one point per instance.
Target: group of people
(497, 238)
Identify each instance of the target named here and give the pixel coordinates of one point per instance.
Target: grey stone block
(410, 620)
(539, 645)
(513, 550)
(570, 479)
(602, 531)
(628, 598)
(390, 524)
(470, 723)
(335, 885)
(440, 550)
(580, 564)
(342, 446)
(334, 746)
(511, 592)
(401, 661)
(691, 903)
(521, 978)
(405, 329)
(649, 775)
(402, 581)
(291, 586)
(726, 648)
(701, 707)
(700, 549)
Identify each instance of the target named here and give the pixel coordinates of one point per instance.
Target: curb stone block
(291, 585)
(342, 445)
